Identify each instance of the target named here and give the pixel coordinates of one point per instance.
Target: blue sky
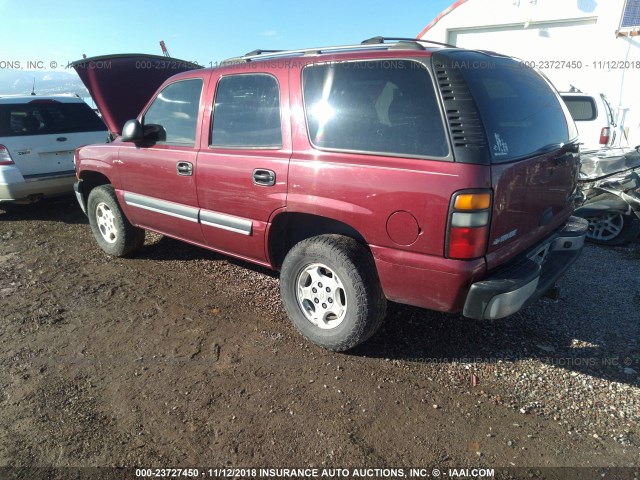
(202, 31)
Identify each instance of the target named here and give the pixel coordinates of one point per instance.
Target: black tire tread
(358, 262)
(132, 236)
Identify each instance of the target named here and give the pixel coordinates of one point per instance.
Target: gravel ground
(574, 360)
(183, 357)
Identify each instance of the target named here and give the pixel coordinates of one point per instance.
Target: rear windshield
(521, 113)
(387, 107)
(50, 118)
(582, 109)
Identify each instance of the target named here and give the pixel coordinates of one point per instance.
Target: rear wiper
(565, 147)
(549, 148)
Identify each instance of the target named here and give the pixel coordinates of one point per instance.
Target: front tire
(613, 229)
(111, 229)
(331, 291)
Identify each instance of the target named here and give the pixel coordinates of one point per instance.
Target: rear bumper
(16, 188)
(525, 279)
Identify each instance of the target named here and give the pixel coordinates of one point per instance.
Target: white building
(590, 44)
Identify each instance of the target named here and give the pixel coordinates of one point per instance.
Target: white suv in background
(38, 138)
(594, 118)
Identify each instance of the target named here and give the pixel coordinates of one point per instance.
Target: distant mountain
(17, 82)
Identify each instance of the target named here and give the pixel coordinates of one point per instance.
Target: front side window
(387, 107)
(174, 113)
(247, 112)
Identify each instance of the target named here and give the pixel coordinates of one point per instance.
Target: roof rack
(382, 40)
(254, 53)
(374, 43)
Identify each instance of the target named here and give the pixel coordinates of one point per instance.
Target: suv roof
(370, 44)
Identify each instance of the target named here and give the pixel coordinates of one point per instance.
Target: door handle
(184, 168)
(264, 177)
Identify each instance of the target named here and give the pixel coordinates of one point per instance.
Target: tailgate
(529, 143)
(42, 134)
(44, 154)
(532, 198)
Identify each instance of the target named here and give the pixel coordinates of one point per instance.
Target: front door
(158, 175)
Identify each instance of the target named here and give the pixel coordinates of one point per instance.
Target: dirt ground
(180, 357)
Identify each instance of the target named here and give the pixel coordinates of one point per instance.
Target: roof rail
(259, 54)
(382, 40)
(254, 53)
(374, 43)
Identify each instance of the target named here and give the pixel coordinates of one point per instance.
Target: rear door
(242, 173)
(42, 135)
(533, 147)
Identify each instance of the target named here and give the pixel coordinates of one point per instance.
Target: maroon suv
(437, 177)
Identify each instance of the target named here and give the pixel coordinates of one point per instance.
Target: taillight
(605, 135)
(469, 218)
(5, 157)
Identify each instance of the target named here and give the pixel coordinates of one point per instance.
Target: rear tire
(111, 229)
(613, 229)
(331, 291)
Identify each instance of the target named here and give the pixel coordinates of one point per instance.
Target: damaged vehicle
(610, 186)
(388, 170)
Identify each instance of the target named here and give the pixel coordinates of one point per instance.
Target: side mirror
(132, 131)
(153, 133)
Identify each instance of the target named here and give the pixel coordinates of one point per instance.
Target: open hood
(122, 84)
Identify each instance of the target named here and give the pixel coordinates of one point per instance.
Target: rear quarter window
(521, 113)
(380, 107)
(48, 118)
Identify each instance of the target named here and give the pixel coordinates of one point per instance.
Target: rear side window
(521, 113)
(386, 107)
(48, 117)
(174, 112)
(582, 109)
(247, 112)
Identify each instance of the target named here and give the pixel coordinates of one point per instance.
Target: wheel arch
(289, 228)
(90, 180)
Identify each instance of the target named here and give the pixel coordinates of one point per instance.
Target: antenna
(33, 89)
